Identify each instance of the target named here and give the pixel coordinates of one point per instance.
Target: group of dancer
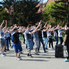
(33, 36)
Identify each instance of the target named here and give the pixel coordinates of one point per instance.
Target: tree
(7, 3)
(57, 12)
(26, 12)
(3, 14)
(61, 11)
(47, 14)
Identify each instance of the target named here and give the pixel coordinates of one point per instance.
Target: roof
(48, 2)
(41, 7)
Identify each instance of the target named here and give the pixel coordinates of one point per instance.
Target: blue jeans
(46, 42)
(30, 45)
(41, 40)
(7, 43)
(56, 38)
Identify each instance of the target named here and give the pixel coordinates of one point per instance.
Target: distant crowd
(33, 36)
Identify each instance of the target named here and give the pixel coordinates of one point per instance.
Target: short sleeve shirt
(59, 33)
(28, 37)
(16, 37)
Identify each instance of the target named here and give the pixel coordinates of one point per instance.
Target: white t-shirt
(59, 34)
(49, 34)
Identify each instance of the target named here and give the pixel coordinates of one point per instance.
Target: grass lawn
(63, 36)
(22, 37)
(52, 37)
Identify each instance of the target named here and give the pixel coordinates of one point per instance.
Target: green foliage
(59, 12)
(7, 3)
(56, 12)
(3, 14)
(47, 14)
(26, 13)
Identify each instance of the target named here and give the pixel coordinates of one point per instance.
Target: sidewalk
(42, 61)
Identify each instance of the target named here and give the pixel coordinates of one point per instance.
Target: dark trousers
(7, 43)
(41, 41)
(24, 39)
(56, 38)
(68, 51)
(50, 42)
(61, 40)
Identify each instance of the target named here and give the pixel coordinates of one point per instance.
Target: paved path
(43, 61)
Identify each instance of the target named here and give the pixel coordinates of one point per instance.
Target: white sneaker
(17, 58)
(50, 48)
(2, 55)
(20, 57)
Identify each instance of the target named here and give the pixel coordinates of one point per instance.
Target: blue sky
(39, 0)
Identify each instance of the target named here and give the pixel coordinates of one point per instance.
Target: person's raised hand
(6, 21)
(46, 23)
(3, 21)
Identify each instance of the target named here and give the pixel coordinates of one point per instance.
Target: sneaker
(27, 54)
(66, 60)
(45, 51)
(30, 56)
(53, 48)
(2, 55)
(4, 50)
(39, 52)
(36, 54)
(50, 48)
(46, 48)
(17, 58)
(7, 49)
(20, 57)
(21, 52)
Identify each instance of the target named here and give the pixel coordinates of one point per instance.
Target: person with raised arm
(2, 39)
(49, 35)
(28, 38)
(41, 39)
(7, 35)
(16, 43)
(44, 35)
(56, 34)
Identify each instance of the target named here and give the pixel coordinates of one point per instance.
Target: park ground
(42, 61)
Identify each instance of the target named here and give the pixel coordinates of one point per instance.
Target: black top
(45, 34)
(67, 40)
(40, 34)
(16, 38)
